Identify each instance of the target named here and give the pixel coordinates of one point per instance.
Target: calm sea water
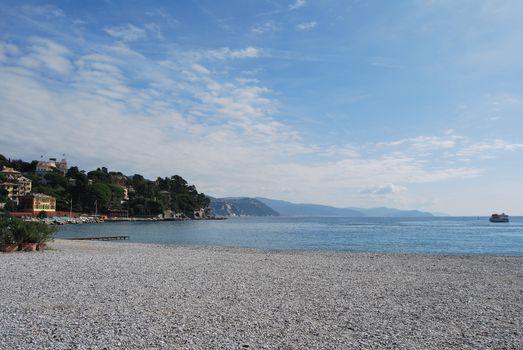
(420, 235)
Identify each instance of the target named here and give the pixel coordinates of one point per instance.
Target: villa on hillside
(121, 181)
(45, 167)
(14, 183)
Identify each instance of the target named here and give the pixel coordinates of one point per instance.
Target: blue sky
(410, 104)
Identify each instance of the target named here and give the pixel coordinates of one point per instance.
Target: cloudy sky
(413, 104)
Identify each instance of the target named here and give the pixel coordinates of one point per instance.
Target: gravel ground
(95, 295)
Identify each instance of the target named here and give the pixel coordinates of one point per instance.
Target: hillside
(392, 212)
(285, 208)
(239, 207)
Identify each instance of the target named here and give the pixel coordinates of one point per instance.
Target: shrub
(6, 233)
(30, 232)
(22, 232)
(45, 232)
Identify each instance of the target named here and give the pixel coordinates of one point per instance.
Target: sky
(412, 104)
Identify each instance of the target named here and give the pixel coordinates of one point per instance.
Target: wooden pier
(101, 238)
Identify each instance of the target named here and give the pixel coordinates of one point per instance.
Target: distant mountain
(440, 214)
(239, 207)
(391, 212)
(244, 206)
(292, 209)
(285, 208)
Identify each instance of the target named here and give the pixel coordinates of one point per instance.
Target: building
(14, 183)
(200, 214)
(120, 180)
(38, 202)
(44, 167)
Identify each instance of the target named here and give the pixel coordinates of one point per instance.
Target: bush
(45, 232)
(6, 234)
(23, 232)
(18, 231)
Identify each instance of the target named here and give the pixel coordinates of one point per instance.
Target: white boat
(499, 218)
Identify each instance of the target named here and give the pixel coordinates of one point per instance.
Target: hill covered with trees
(102, 191)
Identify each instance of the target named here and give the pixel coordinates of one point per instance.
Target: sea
(434, 235)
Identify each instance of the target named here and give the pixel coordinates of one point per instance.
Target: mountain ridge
(285, 208)
(260, 206)
(240, 206)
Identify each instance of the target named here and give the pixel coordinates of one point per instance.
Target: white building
(44, 167)
(14, 183)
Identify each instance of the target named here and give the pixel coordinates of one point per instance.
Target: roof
(39, 195)
(8, 170)
(45, 166)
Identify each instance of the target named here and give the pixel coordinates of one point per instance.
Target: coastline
(133, 296)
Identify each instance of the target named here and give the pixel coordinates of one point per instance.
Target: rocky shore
(96, 295)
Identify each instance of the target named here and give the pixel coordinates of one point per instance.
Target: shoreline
(85, 294)
(286, 250)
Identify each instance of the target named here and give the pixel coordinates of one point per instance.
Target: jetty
(101, 238)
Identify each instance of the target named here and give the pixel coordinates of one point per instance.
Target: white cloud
(450, 146)
(200, 69)
(266, 27)
(227, 53)
(101, 75)
(384, 189)
(343, 151)
(384, 62)
(155, 30)
(488, 149)
(296, 5)
(221, 133)
(126, 33)
(49, 11)
(7, 50)
(158, 13)
(425, 143)
(306, 26)
(499, 101)
(123, 50)
(48, 54)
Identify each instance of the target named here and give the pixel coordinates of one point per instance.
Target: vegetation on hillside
(102, 191)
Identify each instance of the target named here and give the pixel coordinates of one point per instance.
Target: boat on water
(499, 218)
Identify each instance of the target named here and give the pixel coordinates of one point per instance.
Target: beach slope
(95, 295)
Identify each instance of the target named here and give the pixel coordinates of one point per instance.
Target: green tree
(11, 205)
(117, 194)
(116, 190)
(78, 190)
(153, 207)
(55, 178)
(138, 183)
(3, 160)
(99, 175)
(101, 193)
(20, 165)
(3, 195)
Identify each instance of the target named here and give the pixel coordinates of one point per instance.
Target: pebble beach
(102, 295)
